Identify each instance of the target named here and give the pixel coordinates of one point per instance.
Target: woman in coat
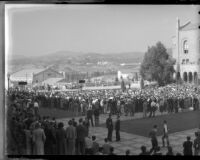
(38, 140)
(61, 139)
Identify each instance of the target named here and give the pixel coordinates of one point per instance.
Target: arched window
(183, 61)
(185, 47)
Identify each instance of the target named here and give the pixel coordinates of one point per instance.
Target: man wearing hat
(117, 128)
(109, 125)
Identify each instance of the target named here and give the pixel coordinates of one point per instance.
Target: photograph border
(2, 47)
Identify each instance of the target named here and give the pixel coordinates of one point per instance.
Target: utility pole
(178, 62)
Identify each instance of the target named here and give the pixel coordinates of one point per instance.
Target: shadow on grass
(176, 123)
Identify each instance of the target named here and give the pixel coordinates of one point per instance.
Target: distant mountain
(75, 61)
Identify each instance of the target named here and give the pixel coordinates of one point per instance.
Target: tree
(157, 65)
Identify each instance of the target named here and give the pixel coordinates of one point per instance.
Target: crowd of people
(32, 134)
(169, 99)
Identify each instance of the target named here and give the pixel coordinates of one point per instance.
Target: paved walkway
(134, 142)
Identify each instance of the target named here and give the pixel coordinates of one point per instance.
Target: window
(49, 74)
(187, 61)
(185, 46)
(183, 61)
(36, 81)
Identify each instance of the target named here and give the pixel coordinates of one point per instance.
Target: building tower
(186, 52)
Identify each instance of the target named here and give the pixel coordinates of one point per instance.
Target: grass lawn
(57, 113)
(176, 123)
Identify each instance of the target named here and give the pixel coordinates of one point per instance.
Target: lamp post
(8, 76)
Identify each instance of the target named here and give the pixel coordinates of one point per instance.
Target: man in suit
(109, 125)
(133, 106)
(61, 139)
(149, 107)
(96, 115)
(81, 134)
(71, 138)
(117, 129)
(154, 141)
(90, 114)
(145, 105)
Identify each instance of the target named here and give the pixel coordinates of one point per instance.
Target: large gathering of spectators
(169, 99)
(32, 134)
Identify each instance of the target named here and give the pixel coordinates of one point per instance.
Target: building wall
(193, 55)
(46, 74)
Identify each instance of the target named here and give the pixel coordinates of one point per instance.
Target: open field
(176, 123)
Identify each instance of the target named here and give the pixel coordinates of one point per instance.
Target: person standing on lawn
(154, 141)
(109, 125)
(165, 134)
(117, 128)
(90, 115)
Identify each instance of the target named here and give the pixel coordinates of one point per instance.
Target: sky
(34, 30)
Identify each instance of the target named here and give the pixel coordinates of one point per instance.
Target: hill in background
(74, 61)
(70, 61)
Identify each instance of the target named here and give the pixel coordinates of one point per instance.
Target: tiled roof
(26, 73)
(189, 26)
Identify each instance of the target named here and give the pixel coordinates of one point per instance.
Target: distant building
(46, 74)
(25, 75)
(105, 78)
(35, 76)
(186, 52)
(129, 74)
(130, 64)
(51, 82)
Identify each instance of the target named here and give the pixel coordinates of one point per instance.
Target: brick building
(186, 52)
